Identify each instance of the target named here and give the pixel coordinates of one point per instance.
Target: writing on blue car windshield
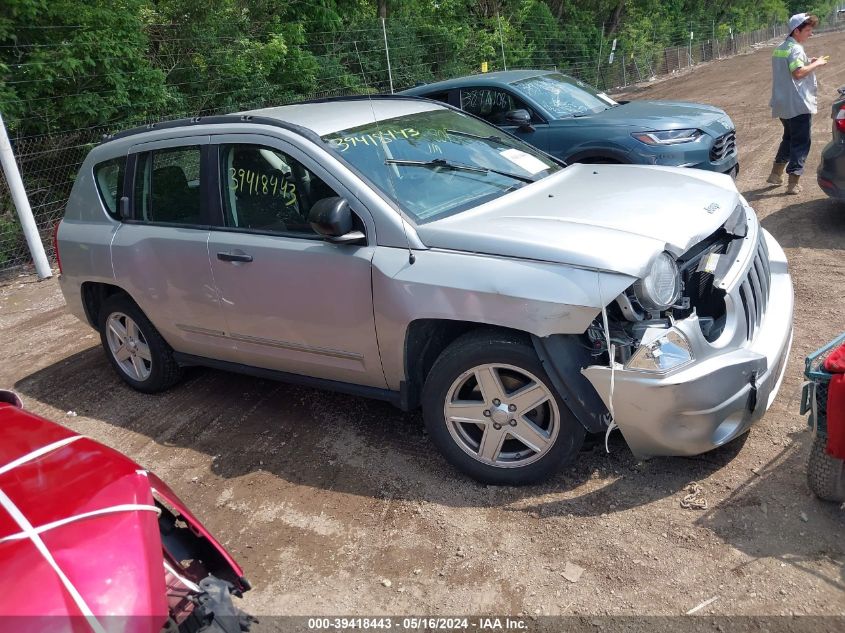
(439, 162)
(564, 96)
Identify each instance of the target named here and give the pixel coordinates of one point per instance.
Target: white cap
(797, 20)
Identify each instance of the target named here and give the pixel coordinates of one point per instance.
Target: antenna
(411, 257)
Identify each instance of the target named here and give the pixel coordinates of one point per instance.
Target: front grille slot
(723, 146)
(754, 290)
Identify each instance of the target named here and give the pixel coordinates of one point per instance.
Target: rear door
(292, 301)
(160, 254)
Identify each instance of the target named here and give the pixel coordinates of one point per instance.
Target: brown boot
(776, 177)
(793, 186)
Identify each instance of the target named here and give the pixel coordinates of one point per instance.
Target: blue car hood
(663, 115)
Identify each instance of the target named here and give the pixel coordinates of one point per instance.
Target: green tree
(68, 64)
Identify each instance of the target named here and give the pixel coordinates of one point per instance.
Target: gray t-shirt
(791, 97)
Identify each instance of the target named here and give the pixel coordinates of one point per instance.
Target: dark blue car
(572, 121)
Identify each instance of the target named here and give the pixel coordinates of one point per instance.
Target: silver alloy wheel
(502, 415)
(128, 346)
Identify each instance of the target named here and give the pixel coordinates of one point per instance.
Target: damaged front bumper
(731, 382)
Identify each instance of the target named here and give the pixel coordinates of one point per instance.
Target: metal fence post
(387, 55)
(16, 188)
(502, 41)
(624, 75)
(714, 50)
(598, 63)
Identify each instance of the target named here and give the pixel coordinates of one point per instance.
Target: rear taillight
(56, 246)
(839, 119)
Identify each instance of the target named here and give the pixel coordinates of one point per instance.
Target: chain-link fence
(375, 57)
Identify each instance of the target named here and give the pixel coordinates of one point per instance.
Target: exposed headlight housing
(668, 351)
(661, 286)
(667, 137)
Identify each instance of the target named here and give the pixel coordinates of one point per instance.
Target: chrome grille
(754, 290)
(723, 146)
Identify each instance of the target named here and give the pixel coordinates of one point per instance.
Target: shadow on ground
(818, 223)
(348, 444)
(764, 518)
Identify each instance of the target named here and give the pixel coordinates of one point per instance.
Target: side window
(438, 96)
(267, 190)
(490, 104)
(109, 178)
(167, 186)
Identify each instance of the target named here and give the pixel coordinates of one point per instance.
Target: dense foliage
(73, 64)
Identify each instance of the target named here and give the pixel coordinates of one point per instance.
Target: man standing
(794, 99)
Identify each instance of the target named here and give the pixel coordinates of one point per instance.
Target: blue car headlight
(667, 137)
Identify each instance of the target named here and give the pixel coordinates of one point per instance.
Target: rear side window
(167, 186)
(438, 96)
(109, 178)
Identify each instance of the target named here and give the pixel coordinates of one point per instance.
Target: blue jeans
(795, 144)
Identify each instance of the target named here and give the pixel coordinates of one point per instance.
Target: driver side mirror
(332, 218)
(520, 118)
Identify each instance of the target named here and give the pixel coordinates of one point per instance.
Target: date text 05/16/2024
(418, 623)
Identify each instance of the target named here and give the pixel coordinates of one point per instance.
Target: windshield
(440, 162)
(564, 96)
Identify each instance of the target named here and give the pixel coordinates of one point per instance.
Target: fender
(536, 297)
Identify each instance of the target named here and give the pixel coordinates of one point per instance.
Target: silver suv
(397, 248)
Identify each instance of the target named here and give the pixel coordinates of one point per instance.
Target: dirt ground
(324, 497)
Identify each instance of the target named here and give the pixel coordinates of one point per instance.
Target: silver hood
(606, 217)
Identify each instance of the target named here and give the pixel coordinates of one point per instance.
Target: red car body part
(835, 364)
(89, 540)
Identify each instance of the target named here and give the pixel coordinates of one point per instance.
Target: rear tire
(138, 353)
(825, 474)
(490, 408)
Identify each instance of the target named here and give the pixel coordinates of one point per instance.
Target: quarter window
(439, 96)
(167, 186)
(109, 178)
(267, 190)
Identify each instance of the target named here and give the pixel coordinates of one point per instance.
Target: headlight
(667, 137)
(661, 286)
(668, 351)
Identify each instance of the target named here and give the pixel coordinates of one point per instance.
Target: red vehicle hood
(80, 573)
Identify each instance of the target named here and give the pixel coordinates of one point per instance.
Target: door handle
(234, 257)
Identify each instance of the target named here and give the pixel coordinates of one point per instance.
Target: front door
(292, 301)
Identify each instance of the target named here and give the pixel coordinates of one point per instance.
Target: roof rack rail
(217, 119)
(358, 98)
(220, 119)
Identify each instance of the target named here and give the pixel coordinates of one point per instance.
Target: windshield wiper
(445, 164)
(492, 137)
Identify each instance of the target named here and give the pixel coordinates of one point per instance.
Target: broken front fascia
(710, 391)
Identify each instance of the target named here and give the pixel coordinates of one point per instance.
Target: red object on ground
(108, 571)
(835, 364)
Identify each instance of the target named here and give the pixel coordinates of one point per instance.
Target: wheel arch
(425, 340)
(94, 294)
(598, 156)
(561, 355)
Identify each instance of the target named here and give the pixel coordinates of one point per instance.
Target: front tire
(490, 408)
(139, 354)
